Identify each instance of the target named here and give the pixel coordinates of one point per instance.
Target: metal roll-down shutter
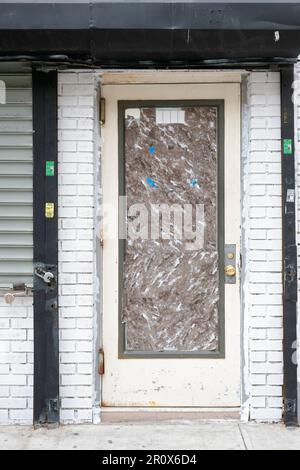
(16, 162)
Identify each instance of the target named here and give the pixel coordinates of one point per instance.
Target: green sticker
(49, 168)
(287, 146)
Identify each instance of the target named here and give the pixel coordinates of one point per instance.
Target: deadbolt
(230, 255)
(230, 270)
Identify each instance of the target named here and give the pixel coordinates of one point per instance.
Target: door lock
(230, 270)
(230, 264)
(47, 276)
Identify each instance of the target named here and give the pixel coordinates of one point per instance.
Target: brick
(12, 334)
(23, 416)
(76, 403)
(266, 322)
(4, 391)
(275, 356)
(258, 402)
(4, 369)
(67, 346)
(258, 379)
(258, 356)
(75, 358)
(68, 369)
(77, 334)
(76, 379)
(276, 379)
(76, 391)
(22, 323)
(268, 390)
(23, 369)
(275, 402)
(80, 89)
(275, 333)
(13, 403)
(85, 346)
(266, 368)
(17, 391)
(21, 346)
(85, 415)
(67, 415)
(13, 379)
(13, 357)
(266, 414)
(66, 77)
(85, 368)
(256, 333)
(4, 419)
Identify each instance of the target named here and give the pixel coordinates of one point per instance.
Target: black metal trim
(96, 14)
(46, 361)
(289, 247)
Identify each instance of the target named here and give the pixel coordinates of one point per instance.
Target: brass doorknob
(230, 270)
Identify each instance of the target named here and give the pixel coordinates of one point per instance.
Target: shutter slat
(15, 267)
(16, 212)
(16, 111)
(15, 182)
(16, 81)
(13, 154)
(16, 197)
(15, 239)
(18, 253)
(18, 95)
(16, 167)
(16, 140)
(5, 283)
(18, 125)
(20, 225)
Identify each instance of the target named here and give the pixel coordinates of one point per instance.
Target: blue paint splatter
(151, 149)
(193, 182)
(151, 183)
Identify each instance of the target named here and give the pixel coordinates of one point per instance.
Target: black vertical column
(46, 361)
(289, 246)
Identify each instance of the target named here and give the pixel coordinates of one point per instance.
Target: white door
(171, 315)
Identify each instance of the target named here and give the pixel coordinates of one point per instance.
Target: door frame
(220, 236)
(225, 86)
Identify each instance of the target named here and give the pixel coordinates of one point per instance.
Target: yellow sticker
(49, 210)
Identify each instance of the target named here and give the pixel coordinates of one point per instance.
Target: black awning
(151, 32)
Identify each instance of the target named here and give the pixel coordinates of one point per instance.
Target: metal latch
(101, 362)
(14, 291)
(290, 273)
(47, 276)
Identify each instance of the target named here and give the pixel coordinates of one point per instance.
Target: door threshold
(142, 414)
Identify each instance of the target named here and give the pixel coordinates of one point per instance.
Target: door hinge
(101, 362)
(101, 240)
(102, 111)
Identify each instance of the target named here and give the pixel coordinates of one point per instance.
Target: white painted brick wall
(16, 361)
(76, 105)
(263, 246)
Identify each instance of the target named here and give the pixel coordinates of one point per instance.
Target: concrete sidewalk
(197, 435)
